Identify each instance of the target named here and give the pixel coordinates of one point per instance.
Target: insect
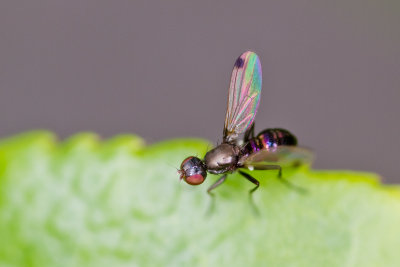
(271, 149)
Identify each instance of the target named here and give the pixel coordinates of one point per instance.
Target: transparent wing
(289, 156)
(244, 95)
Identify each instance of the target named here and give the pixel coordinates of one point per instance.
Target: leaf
(86, 202)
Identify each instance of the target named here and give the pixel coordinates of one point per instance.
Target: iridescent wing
(285, 156)
(244, 95)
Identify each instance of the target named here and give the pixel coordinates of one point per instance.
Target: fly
(269, 150)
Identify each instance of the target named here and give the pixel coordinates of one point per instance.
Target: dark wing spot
(239, 62)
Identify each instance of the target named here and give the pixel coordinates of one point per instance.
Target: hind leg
(280, 177)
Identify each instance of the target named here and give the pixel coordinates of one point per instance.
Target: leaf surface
(87, 202)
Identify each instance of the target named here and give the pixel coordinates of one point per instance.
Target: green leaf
(86, 202)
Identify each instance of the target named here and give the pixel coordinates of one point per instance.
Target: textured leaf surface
(85, 202)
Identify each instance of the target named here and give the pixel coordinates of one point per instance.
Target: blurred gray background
(161, 69)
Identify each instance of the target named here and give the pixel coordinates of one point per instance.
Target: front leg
(212, 187)
(216, 184)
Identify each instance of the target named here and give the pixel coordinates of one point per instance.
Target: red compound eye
(195, 179)
(185, 161)
(193, 171)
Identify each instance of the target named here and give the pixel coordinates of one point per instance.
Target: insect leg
(257, 183)
(251, 179)
(217, 183)
(283, 180)
(213, 186)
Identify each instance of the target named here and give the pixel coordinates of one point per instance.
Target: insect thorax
(222, 158)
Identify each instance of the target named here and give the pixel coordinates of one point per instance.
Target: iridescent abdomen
(270, 138)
